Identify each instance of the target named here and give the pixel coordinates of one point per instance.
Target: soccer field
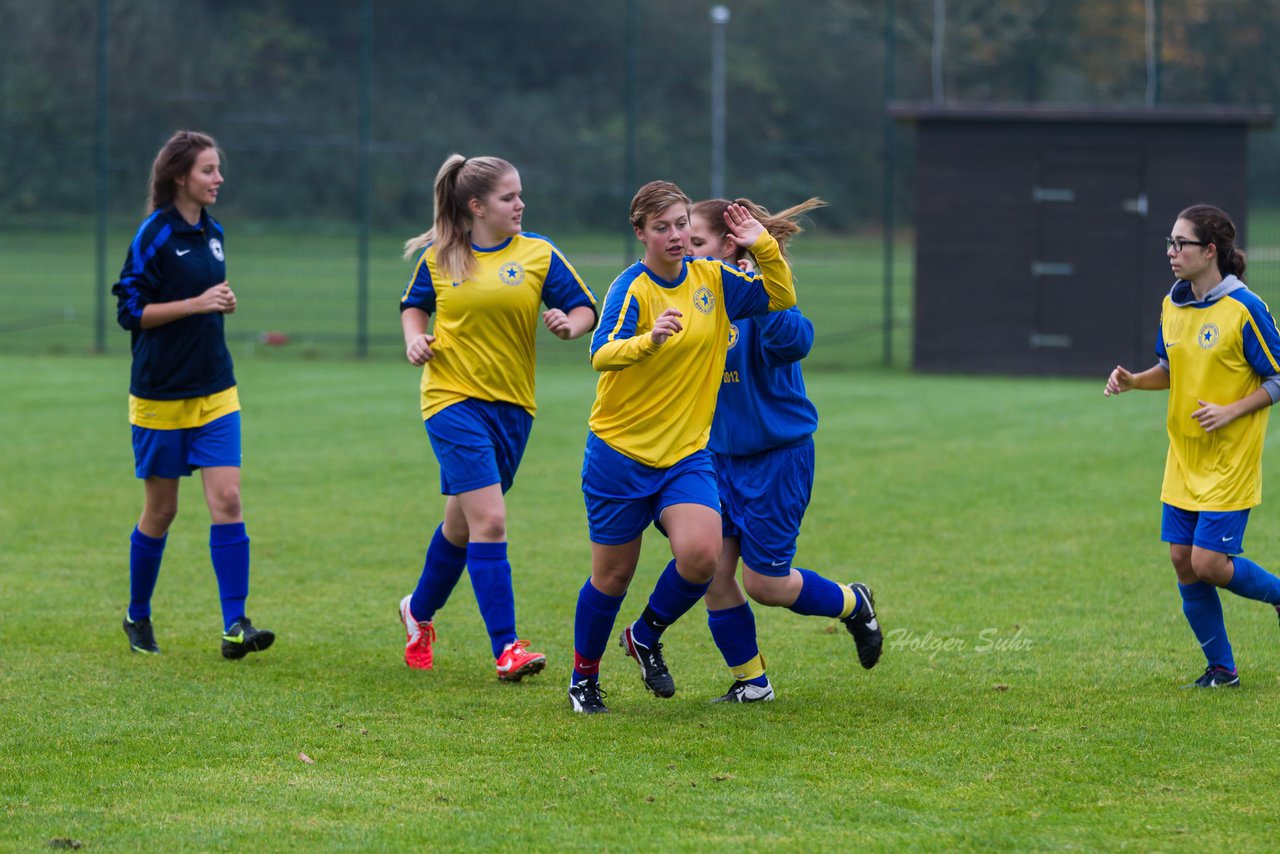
(1028, 697)
(304, 284)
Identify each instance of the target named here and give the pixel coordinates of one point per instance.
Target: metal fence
(333, 118)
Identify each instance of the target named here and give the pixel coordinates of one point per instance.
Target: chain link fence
(333, 119)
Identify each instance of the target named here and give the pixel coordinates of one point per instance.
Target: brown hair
(176, 158)
(782, 225)
(654, 198)
(459, 180)
(1212, 225)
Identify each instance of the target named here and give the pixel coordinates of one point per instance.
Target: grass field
(303, 283)
(1028, 698)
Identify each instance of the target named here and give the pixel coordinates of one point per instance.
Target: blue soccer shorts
(764, 497)
(177, 453)
(1215, 531)
(478, 443)
(623, 496)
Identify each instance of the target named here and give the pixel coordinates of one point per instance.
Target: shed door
(1086, 274)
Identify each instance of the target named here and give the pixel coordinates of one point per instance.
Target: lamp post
(719, 19)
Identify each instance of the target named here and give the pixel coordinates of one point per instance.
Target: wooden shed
(1040, 230)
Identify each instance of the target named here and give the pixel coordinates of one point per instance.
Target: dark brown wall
(979, 306)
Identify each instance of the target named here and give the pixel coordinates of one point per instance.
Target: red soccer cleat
(516, 662)
(419, 637)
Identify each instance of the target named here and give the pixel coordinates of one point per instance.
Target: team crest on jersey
(511, 273)
(733, 336)
(1208, 336)
(703, 300)
(215, 246)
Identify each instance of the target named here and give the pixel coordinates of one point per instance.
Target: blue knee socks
(440, 573)
(1203, 609)
(491, 580)
(229, 551)
(145, 554)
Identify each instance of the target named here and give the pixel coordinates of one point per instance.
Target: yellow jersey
(1219, 350)
(654, 404)
(485, 327)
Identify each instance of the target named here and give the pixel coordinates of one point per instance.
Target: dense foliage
(546, 85)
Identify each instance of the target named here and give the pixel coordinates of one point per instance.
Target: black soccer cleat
(242, 638)
(745, 692)
(142, 637)
(653, 669)
(587, 697)
(865, 628)
(1216, 676)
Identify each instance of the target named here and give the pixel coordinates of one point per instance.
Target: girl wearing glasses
(1218, 353)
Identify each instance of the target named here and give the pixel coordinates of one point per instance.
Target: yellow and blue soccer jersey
(654, 404)
(485, 327)
(1219, 350)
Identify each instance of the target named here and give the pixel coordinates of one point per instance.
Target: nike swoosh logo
(1171, 344)
(182, 252)
(872, 624)
(1227, 539)
(778, 563)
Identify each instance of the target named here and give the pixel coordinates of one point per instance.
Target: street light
(719, 19)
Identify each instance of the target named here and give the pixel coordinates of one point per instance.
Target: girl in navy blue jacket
(762, 442)
(183, 403)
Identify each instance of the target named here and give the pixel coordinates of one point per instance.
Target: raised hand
(744, 229)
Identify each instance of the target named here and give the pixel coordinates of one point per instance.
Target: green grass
(303, 283)
(1022, 512)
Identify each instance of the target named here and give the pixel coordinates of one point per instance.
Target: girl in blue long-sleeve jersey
(762, 443)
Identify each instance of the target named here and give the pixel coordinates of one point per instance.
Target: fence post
(889, 26)
(103, 167)
(632, 98)
(364, 155)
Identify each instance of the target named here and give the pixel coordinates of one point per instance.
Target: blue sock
(145, 554)
(229, 550)
(440, 573)
(592, 627)
(1203, 609)
(491, 581)
(734, 631)
(1253, 582)
(672, 596)
(819, 597)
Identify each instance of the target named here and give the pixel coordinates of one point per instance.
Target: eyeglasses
(1177, 243)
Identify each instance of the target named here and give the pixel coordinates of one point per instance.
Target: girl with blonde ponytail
(484, 279)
